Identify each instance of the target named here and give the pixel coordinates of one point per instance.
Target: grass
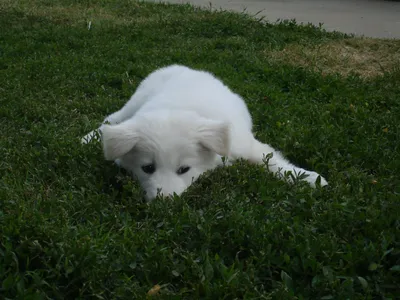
(365, 57)
(75, 227)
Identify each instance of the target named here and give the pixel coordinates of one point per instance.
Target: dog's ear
(118, 139)
(214, 135)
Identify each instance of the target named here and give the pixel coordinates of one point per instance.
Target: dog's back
(178, 87)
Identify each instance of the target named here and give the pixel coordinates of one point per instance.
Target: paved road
(373, 18)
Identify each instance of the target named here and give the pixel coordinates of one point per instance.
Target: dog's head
(166, 151)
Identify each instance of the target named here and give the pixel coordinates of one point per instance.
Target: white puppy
(178, 124)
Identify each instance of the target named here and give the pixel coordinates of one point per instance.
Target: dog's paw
(94, 135)
(87, 138)
(313, 177)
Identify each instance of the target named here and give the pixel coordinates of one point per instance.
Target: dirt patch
(366, 57)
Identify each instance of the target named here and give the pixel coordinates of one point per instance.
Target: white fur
(180, 117)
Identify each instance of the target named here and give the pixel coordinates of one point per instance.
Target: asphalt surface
(371, 18)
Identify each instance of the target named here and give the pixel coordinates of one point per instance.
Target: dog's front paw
(93, 135)
(313, 177)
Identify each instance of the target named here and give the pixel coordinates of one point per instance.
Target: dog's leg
(126, 112)
(143, 93)
(258, 153)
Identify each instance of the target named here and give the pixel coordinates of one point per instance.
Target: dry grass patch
(366, 57)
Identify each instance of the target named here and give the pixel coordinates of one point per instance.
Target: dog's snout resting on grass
(178, 124)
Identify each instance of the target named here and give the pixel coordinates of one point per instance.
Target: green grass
(74, 226)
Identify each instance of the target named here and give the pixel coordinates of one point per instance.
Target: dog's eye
(149, 169)
(182, 170)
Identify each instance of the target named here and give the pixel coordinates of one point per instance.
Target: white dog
(180, 123)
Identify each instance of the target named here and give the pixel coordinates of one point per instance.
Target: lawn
(73, 226)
